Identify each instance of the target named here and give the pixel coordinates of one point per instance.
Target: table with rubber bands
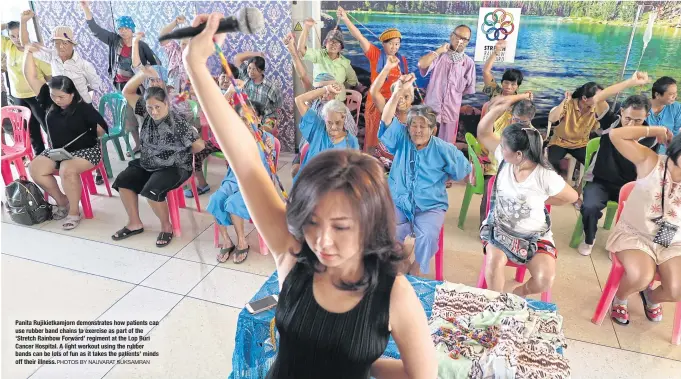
(254, 351)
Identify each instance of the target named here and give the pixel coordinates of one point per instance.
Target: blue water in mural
(555, 56)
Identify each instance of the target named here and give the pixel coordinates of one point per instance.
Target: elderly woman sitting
(422, 165)
(326, 129)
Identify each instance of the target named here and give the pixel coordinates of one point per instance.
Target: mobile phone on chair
(264, 304)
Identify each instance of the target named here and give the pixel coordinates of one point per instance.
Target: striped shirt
(80, 71)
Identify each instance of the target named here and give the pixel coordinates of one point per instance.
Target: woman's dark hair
(12, 25)
(259, 62)
(362, 179)
(65, 84)
(157, 93)
(527, 140)
(588, 90)
(636, 102)
(258, 108)
(234, 69)
(674, 149)
(662, 85)
(513, 75)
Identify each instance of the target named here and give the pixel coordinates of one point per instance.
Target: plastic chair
(88, 187)
(353, 100)
(440, 256)
(264, 250)
(474, 152)
(117, 104)
(175, 200)
(22, 142)
(520, 268)
(615, 276)
(611, 207)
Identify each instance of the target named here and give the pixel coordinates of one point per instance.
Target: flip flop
(164, 237)
(225, 253)
(59, 213)
(652, 314)
(619, 314)
(70, 222)
(125, 233)
(201, 190)
(241, 253)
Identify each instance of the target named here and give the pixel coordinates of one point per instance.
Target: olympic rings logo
(497, 25)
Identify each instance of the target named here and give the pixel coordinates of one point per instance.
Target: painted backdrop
(151, 16)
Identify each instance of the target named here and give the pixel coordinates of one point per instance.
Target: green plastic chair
(611, 207)
(117, 103)
(474, 152)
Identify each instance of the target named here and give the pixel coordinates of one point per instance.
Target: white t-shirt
(520, 206)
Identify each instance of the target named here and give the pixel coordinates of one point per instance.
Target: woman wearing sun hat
(391, 39)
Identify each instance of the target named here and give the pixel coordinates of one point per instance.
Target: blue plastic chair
(116, 102)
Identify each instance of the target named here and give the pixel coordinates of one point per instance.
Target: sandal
(70, 222)
(164, 239)
(620, 314)
(125, 233)
(59, 213)
(99, 180)
(653, 314)
(225, 253)
(241, 255)
(201, 190)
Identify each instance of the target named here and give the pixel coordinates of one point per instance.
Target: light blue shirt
(230, 181)
(669, 117)
(313, 129)
(417, 177)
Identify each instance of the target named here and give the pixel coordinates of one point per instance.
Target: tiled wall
(151, 16)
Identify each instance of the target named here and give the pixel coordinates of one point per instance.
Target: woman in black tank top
(334, 246)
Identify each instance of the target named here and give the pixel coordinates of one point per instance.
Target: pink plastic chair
(440, 256)
(88, 187)
(615, 276)
(264, 250)
(19, 117)
(175, 200)
(520, 268)
(353, 100)
(303, 152)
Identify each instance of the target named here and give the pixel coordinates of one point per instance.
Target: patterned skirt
(90, 154)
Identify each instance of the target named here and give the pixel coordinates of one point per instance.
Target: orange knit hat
(389, 34)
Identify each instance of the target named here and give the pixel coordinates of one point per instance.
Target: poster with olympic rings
(497, 24)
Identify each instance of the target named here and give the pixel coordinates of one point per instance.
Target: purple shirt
(449, 81)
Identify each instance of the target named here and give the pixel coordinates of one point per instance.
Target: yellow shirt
(499, 125)
(15, 63)
(574, 128)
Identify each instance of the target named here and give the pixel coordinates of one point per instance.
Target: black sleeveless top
(315, 343)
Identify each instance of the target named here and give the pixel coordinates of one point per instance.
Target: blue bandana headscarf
(125, 22)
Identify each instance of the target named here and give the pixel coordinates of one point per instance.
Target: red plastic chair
(520, 268)
(440, 256)
(88, 187)
(615, 276)
(264, 250)
(303, 152)
(19, 117)
(353, 100)
(175, 200)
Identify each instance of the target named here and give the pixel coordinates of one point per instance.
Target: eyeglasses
(461, 38)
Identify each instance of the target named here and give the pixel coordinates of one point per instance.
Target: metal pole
(631, 41)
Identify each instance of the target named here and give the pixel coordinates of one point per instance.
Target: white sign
(497, 24)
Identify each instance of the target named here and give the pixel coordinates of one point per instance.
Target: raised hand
(309, 22)
(138, 36)
(180, 20)
(391, 63)
(290, 42)
(334, 88)
(501, 44)
(530, 95)
(443, 49)
(202, 45)
(568, 95)
(84, 4)
(32, 47)
(640, 78)
(341, 13)
(27, 15)
(662, 134)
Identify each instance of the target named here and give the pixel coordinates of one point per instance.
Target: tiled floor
(48, 273)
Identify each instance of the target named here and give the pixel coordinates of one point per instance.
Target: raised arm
(637, 79)
(169, 28)
(246, 55)
(428, 59)
(363, 42)
(487, 76)
(304, 99)
(558, 112)
(130, 89)
(404, 84)
(23, 29)
(496, 108)
(136, 61)
(302, 39)
(298, 65)
(30, 70)
(626, 140)
(267, 209)
(100, 33)
(375, 90)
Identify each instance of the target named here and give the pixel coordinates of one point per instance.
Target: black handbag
(518, 248)
(665, 230)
